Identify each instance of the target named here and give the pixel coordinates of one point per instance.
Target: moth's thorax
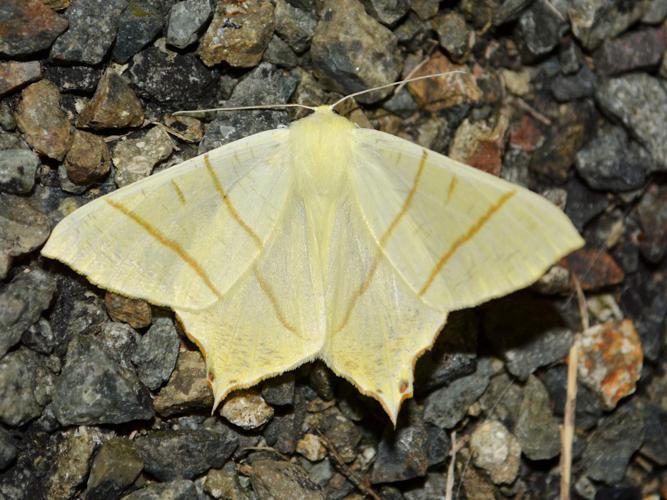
(320, 147)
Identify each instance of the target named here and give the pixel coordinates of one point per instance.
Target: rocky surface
(105, 396)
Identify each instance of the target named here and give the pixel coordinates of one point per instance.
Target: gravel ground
(104, 397)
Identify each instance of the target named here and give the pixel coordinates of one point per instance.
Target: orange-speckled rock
(610, 360)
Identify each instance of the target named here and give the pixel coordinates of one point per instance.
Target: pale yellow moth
(322, 240)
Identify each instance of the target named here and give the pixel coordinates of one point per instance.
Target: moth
(318, 241)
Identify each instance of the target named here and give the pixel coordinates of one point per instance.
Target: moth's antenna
(400, 82)
(240, 108)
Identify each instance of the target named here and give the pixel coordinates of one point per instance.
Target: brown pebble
(238, 34)
(45, 125)
(114, 105)
(593, 268)
(246, 409)
(480, 145)
(134, 312)
(434, 94)
(15, 74)
(88, 160)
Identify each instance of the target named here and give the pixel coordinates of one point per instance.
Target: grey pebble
(403, 452)
(640, 102)
(92, 29)
(169, 77)
(25, 386)
(95, 389)
(181, 489)
(21, 303)
(583, 204)
(7, 449)
(641, 49)
(652, 211)
(655, 438)
(588, 406)
(527, 331)
(538, 30)
(156, 353)
(295, 26)
(186, 19)
(17, 170)
(348, 57)
(39, 337)
(139, 24)
(116, 465)
(593, 21)
(185, 454)
(388, 12)
(575, 86)
(611, 162)
(22, 230)
(75, 77)
(536, 428)
(612, 444)
(445, 407)
(279, 391)
(119, 341)
(282, 479)
(453, 354)
(280, 54)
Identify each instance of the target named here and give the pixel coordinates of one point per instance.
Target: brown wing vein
(464, 238)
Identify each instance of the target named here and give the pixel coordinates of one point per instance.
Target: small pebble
(539, 29)
(138, 25)
(185, 454)
(22, 302)
(180, 489)
(92, 29)
(641, 49)
(610, 360)
(116, 465)
(247, 410)
(281, 479)
(639, 101)
(537, 430)
(22, 230)
(594, 268)
(28, 26)
(17, 170)
(187, 390)
(114, 105)
(238, 34)
(73, 455)
(311, 447)
(15, 74)
(481, 145)
(350, 56)
(93, 388)
(294, 25)
(88, 160)
(652, 211)
(156, 353)
(594, 22)
(186, 19)
(611, 446)
(453, 33)
(432, 95)
(134, 312)
(135, 158)
(44, 124)
(496, 451)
